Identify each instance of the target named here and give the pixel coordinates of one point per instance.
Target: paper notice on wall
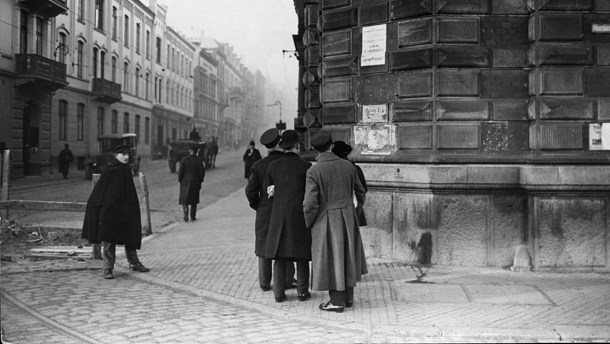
(595, 136)
(374, 113)
(606, 136)
(375, 139)
(373, 45)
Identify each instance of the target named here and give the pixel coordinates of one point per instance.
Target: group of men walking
(306, 212)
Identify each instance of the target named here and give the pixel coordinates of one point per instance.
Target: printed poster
(373, 45)
(374, 113)
(375, 139)
(606, 136)
(595, 136)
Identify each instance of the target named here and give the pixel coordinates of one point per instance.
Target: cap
(270, 138)
(289, 138)
(322, 138)
(341, 149)
(252, 143)
(122, 149)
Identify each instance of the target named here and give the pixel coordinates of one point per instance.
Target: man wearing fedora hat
(190, 177)
(337, 252)
(288, 239)
(260, 201)
(112, 215)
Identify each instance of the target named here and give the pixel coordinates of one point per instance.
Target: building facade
(207, 105)
(481, 123)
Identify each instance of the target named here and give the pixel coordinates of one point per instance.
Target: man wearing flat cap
(260, 201)
(337, 252)
(288, 240)
(112, 215)
(190, 176)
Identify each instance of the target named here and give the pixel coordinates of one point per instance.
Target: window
(81, 9)
(23, 33)
(113, 69)
(126, 33)
(99, 14)
(147, 130)
(137, 129)
(79, 58)
(166, 62)
(63, 39)
(160, 88)
(126, 122)
(114, 122)
(138, 42)
(155, 91)
(147, 86)
(102, 63)
(126, 77)
(100, 121)
(63, 119)
(147, 44)
(39, 35)
(80, 122)
(158, 47)
(115, 23)
(94, 64)
(137, 82)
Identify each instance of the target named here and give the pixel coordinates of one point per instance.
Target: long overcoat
(288, 237)
(190, 175)
(113, 209)
(250, 157)
(259, 200)
(338, 259)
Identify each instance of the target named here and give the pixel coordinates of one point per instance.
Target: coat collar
(326, 156)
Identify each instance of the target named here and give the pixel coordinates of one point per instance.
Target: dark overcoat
(190, 175)
(288, 237)
(250, 157)
(259, 200)
(337, 252)
(113, 209)
(359, 210)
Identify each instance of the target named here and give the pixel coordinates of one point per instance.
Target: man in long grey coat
(190, 176)
(338, 260)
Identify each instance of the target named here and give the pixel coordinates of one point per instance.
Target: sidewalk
(213, 259)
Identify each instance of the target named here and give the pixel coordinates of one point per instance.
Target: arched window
(80, 122)
(61, 48)
(113, 69)
(100, 120)
(114, 122)
(94, 62)
(147, 86)
(126, 77)
(63, 119)
(80, 46)
(137, 81)
(102, 63)
(126, 122)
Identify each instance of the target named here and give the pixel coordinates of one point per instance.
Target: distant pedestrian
(64, 160)
(190, 175)
(260, 201)
(112, 216)
(251, 156)
(338, 260)
(194, 135)
(342, 150)
(288, 239)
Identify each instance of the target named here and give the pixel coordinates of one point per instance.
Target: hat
(270, 138)
(122, 149)
(289, 138)
(322, 138)
(252, 143)
(341, 149)
(193, 146)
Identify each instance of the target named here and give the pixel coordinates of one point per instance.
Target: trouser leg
(290, 278)
(96, 250)
(132, 255)
(349, 294)
(108, 255)
(185, 212)
(264, 271)
(193, 212)
(337, 297)
(302, 276)
(279, 277)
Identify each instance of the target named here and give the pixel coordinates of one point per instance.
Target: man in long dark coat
(338, 260)
(190, 175)
(288, 238)
(64, 160)
(251, 155)
(112, 216)
(260, 201)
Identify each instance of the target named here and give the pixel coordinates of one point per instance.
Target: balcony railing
(106, 91)
(39, 72)
(45, 8)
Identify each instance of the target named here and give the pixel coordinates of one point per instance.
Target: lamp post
(279, 125)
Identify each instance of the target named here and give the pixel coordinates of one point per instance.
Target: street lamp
(279, 125)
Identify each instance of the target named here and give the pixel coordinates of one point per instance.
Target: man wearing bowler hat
(337, 252)
(190, 177)
(260, 201)
(112, 215)
(288, 239)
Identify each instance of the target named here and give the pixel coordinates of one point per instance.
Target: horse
(212, 152)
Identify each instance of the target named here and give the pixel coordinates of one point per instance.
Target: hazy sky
(258, 31)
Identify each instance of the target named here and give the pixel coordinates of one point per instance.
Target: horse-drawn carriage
(178, 149)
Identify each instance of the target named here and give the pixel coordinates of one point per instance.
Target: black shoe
(329, 307)
(265, 287)
(139, 267)
(349, 303)
(108, 274)
(279, 299)
(304, 296)
(290, 286)
(193, 218)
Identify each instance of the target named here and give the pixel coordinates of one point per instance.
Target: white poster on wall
(373, 45)
(606, 136)
(374, 113)
(595, 136)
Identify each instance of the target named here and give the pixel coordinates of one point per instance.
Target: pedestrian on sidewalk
(64, 160)
(190, 176)
(342, 150)
(260, 201)
(288, 239)
(338, 260)
(112, 215)
(251, 156)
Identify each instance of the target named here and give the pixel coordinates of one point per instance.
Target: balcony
(106, 91)
(39, 74)
(236, 93)
(45, 8)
